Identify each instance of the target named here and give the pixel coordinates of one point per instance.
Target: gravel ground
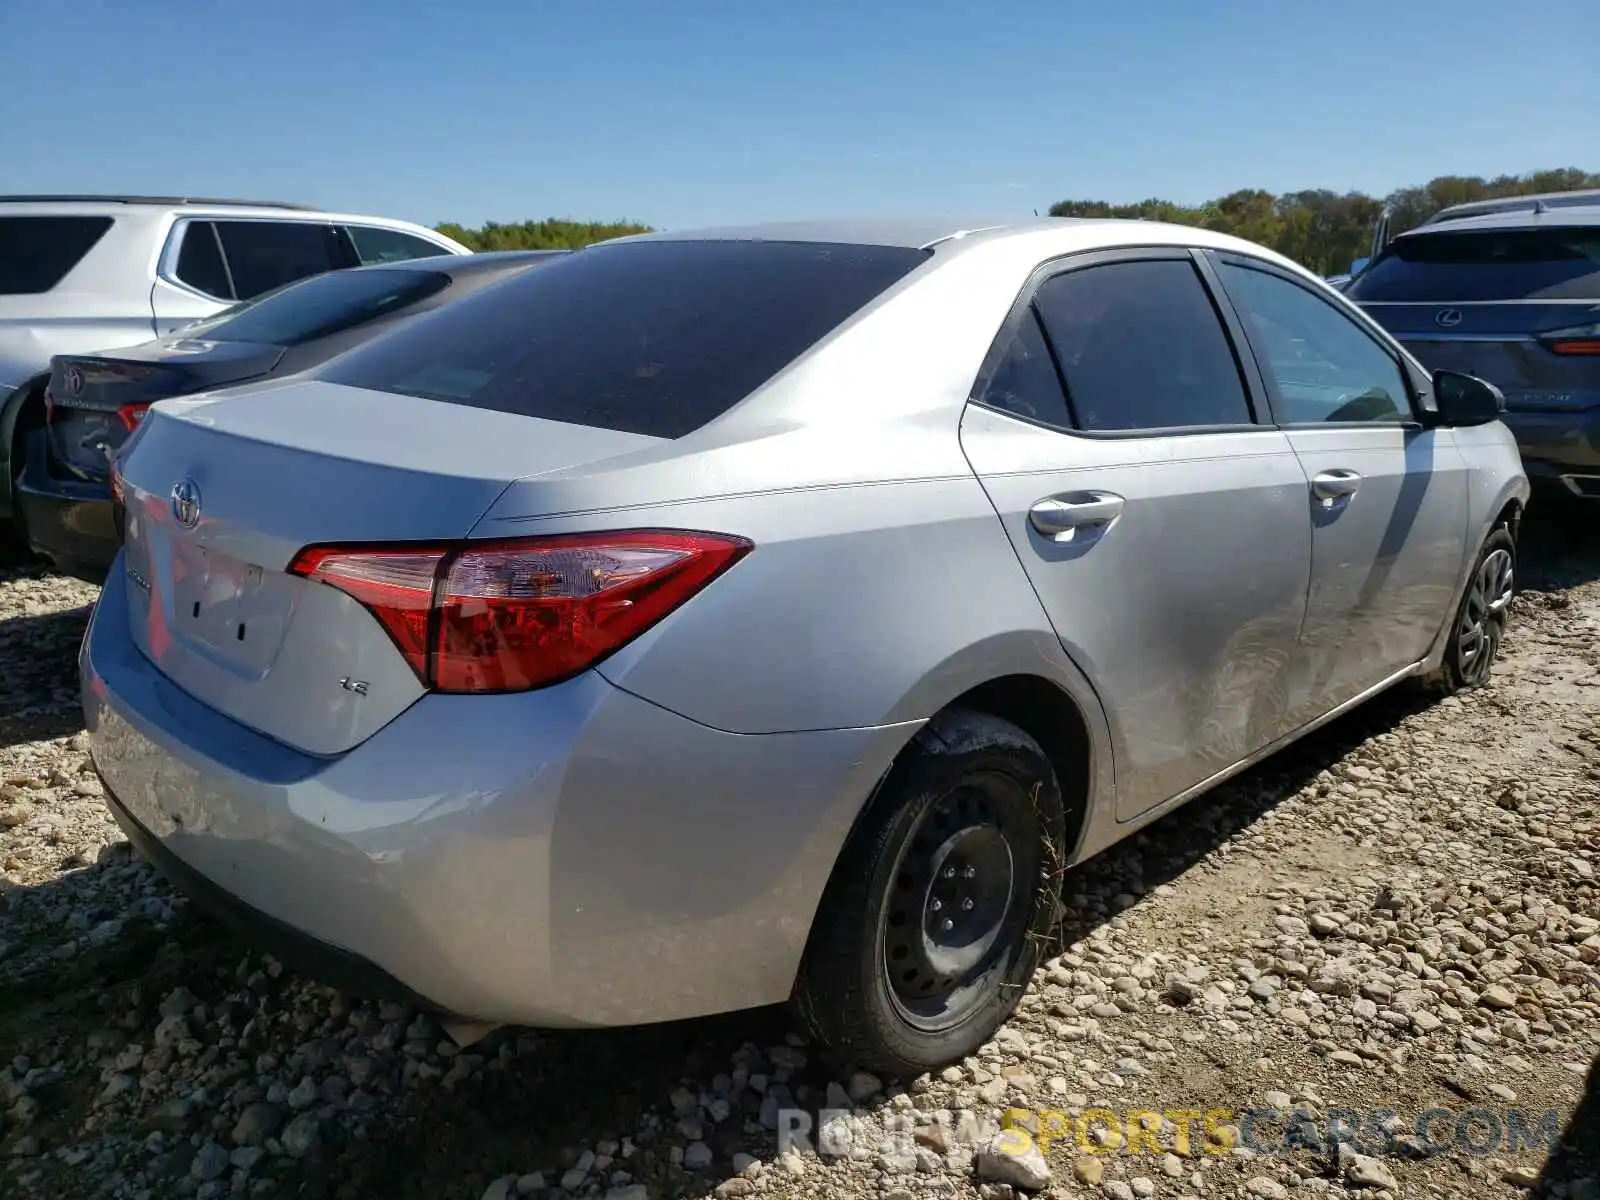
(1400, 914)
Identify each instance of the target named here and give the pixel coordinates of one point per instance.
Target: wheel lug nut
(949, 872)
(947, 925)
(936, 905)
(970, 872)
(966, 905)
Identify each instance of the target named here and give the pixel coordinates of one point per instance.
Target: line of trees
(1322, 229)
(553, 233)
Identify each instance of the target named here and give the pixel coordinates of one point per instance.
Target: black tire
(1469, 658)
(981, 791)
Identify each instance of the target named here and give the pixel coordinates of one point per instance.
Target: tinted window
(200, 261)
(37, 252)
(654, 338)
(1141, 347)
(1025, 382)
(314, 308)
(1521, 264)
(263, 255)
(375, 245)
(1325, 366)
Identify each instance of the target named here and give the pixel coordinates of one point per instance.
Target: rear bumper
(68, 521)
(574, 856)
(1560, 448)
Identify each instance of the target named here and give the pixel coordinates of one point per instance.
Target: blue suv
(1507, 290)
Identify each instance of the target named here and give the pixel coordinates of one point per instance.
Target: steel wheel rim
(956, 901)
(1483, 615)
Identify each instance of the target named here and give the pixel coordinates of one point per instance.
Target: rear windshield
(317, 307)
(654, 338)
(1520, 264)
(37, 252)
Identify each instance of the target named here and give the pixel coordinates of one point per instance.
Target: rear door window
(319, 307)
(262, 255)
(37, 252)
(1560, 263)
(200, 262)
(1141, 347)
(654, 338)
(376, 245)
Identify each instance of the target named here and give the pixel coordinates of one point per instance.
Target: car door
(1388, 503)
(375, 244)
(1161, 524)
(213, 263)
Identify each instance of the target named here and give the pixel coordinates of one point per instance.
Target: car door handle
(1330, 485)
(1056, 515)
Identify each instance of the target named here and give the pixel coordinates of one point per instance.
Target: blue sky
(687, 112)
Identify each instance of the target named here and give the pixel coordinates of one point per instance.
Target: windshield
(319, 306)
(1513, 264)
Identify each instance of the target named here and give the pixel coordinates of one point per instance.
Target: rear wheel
(1480, 621)
(941, 903)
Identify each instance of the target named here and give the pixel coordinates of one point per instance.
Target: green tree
(1325, 230)
(552, 233)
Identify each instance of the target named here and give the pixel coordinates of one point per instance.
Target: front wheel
(941, 903)
(1480, 621)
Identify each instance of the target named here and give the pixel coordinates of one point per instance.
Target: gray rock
(1362, 1170)
(257, 1123)
(304, 1094)
(1266, 1189)
(302, 1136)
(210, 1161)
(999, 1162)
(697, 1156)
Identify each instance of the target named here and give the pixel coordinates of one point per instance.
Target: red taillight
(131, 414)
(1578, 339)
(513, 615)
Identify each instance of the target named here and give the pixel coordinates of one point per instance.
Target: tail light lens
(506, 616)
(1576, 339)
(131, 414)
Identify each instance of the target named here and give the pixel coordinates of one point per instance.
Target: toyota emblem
(186, 503)
(73, 378)
(1448, 318)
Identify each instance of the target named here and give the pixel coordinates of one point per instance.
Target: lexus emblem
(186, 503)
(1448, 318)
(73, 378)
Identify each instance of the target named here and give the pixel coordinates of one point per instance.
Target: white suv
(85, 273)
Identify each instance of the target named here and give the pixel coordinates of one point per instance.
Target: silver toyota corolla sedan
(716, 619)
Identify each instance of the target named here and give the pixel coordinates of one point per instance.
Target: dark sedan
(95, 401)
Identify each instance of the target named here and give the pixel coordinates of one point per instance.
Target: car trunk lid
(1506, 343)
(95, 401)
(220, 494)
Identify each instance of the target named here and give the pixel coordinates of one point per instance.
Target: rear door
(210, 264)
(1161, 524)
(1388, 502)
(375, 244)
(1495, 303)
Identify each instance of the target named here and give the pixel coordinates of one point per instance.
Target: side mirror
(1357, 265)
(1466, 399)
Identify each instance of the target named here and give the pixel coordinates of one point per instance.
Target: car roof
(1535, 203)
(949, 237)
(910, 232)
(465, 264)
(158, 201)
(1568, 217)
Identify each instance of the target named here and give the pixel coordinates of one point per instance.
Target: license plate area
(230, 611)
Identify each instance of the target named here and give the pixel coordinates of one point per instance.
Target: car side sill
(1124, 828)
